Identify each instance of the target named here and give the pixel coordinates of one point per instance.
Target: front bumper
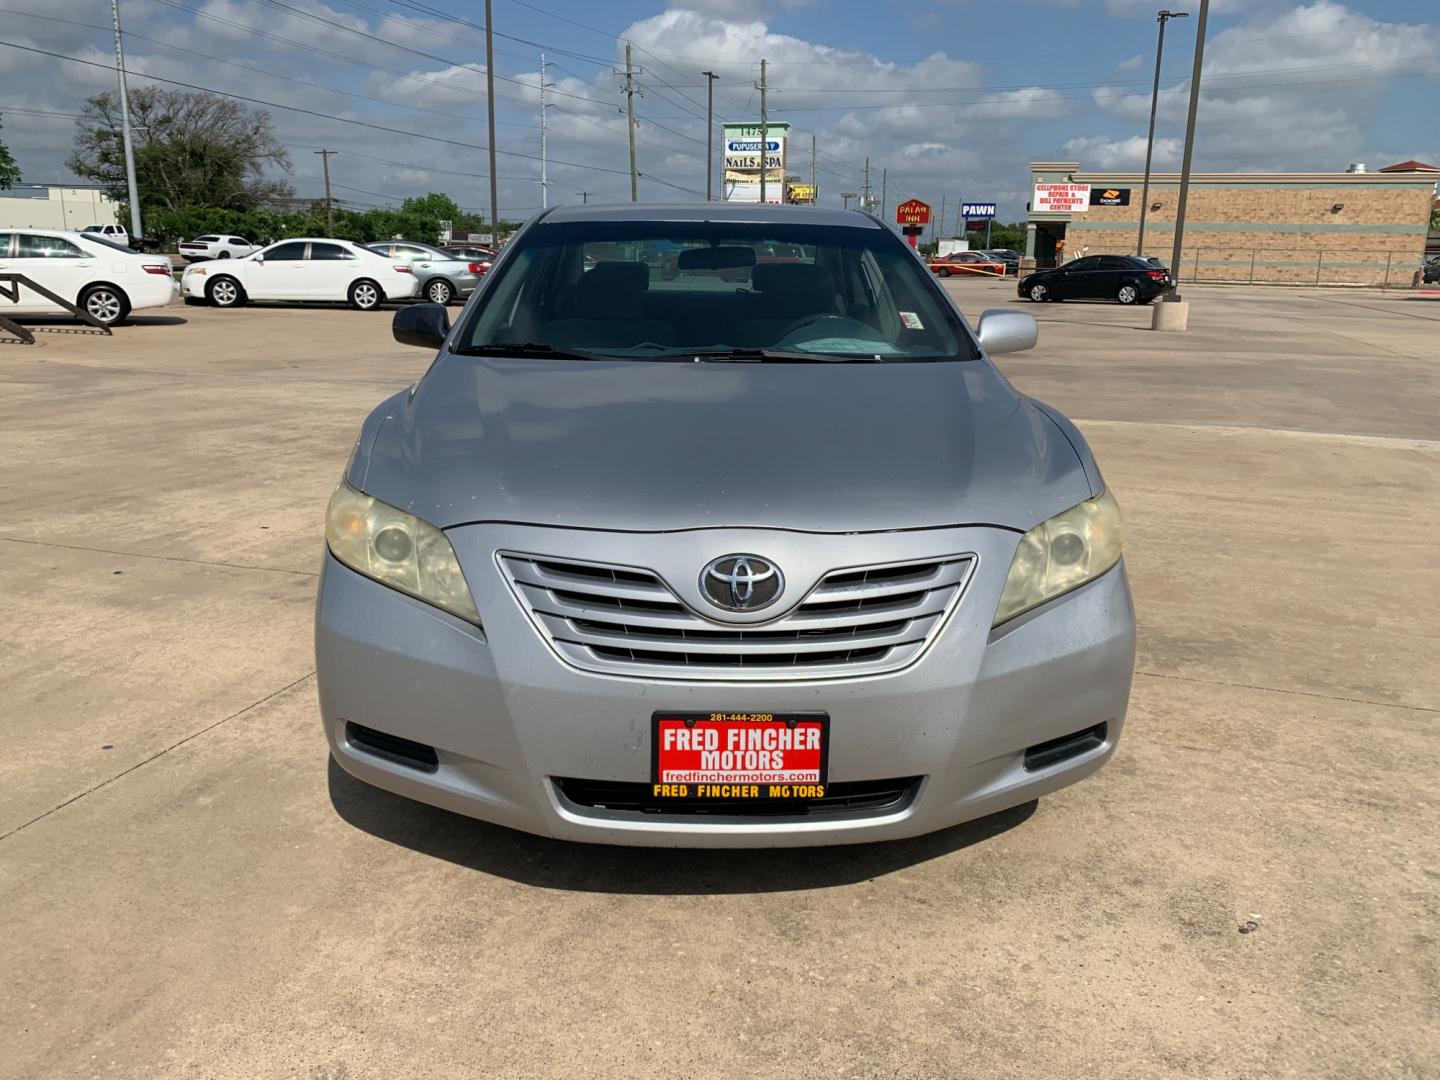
(506, 716)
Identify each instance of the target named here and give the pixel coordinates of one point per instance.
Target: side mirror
(425, 325)
(1002, 331)
(259, 257)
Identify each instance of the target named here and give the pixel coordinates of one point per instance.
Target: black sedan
(1128, 279)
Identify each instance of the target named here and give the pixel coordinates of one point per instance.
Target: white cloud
(1130, 63)
(1098, 152)
(1292, 89)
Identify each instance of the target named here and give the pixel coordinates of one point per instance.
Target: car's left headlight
(1061, 554)
(397, 549)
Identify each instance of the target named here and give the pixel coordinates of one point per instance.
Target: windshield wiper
(535, 349)
(759, 356)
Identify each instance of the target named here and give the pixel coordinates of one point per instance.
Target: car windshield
(715, 290)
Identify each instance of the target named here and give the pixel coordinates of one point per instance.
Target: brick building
(1305, 228)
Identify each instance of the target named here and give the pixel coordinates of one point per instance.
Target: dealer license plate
(739, 755)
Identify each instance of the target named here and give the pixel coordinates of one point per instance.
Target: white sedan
(95, 275)
(217, 247)
(302, 269)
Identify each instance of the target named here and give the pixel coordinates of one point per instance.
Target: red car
(967, 262)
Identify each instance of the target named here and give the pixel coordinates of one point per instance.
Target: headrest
(789, 278)
(612, 290)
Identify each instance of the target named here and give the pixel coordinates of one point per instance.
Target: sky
(946, 98)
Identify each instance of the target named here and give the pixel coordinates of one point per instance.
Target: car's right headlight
(1061, 554)
(397, 549)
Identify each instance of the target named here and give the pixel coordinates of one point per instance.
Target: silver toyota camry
(716, 526)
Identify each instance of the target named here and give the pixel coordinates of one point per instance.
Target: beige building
(1303, 228)
(50, 206)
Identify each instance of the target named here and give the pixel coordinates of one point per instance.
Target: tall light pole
(710, 78)
(132, 192)
(764, 133)
(490, 111)
(1150, 142)
(1174, 293)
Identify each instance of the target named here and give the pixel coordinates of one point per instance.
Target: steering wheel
(854, 328)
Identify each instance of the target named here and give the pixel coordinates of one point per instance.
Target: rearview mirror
(1002, 331)
(715, 258)
(425, 325)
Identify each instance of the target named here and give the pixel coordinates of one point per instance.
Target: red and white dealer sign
(755, 750)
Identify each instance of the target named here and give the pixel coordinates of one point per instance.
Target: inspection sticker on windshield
(725, 755)
(911, 320)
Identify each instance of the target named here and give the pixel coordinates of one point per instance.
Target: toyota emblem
(741, 582)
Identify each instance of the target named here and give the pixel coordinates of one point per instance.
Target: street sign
(974, 210)
(912, 212)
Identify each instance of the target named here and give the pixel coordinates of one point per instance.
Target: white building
(53, 206)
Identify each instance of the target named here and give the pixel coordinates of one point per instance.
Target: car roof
(712, 211)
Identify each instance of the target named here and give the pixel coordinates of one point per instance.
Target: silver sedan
(442, 277)
(673, 545)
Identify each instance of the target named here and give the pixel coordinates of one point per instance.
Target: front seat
(787, 294)
(609, 310)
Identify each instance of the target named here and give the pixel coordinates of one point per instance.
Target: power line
(313, 112)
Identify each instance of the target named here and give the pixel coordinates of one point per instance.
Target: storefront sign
(912, 212)
(976, 210)
(1110, 196)
(1061, 199)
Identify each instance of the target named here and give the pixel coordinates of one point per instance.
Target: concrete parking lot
(1251, 888)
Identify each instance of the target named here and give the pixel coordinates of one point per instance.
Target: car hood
(656, 446)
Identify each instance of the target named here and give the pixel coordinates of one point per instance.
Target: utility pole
(131, 190)
(814, 187)
(490, 111)
(544, 174)
(941, 232)
(884, 185)
(764, 132)
(1174, 293)
(865, 189)
(329, 204)
(1150, 142)
(710, 78)
(630, 123)
(584, 197)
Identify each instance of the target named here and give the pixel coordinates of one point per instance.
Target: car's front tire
(1127, 294)
(1038, 293)
(105, 304)
(366, 295)
(225, 292)
(440, 291)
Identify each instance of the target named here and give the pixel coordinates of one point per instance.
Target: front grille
(853, 797)
(627, 621)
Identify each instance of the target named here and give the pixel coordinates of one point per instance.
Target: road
(1249, 889)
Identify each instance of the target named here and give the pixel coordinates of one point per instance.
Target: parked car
(116, 234)
(1431, 272)
(650, 566)
(216, 247)
(482, 257)
(1127, 279)
(967, 262)
(106, 280)
(441, 277)
(302, 269)
(1011, 259)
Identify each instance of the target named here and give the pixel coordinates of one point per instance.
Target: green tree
(191, 150)
(9, 171)
(436, 205)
